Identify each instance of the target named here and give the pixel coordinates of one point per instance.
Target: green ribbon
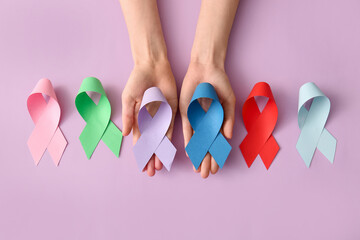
(97, 117)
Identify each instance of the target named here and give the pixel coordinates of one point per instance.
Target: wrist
(145, 31)
(150, 62)
(149, 50)
(158, 70)
(208, 53)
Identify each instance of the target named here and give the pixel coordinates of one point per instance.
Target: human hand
(215, 75)
(144, 76)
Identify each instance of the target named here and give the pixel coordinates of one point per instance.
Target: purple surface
(283, 43)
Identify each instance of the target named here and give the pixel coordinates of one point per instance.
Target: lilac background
(286, 43)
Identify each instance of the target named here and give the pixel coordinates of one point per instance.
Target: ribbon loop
(207, 136)
(259, 125)
(153, 139)
(46, 116)
(97, 118)
(312, 124)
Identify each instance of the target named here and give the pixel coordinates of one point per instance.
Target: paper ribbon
(207, 136)
(153, 129)
(312, 124)
(46, 116)
(97, 117)
(259, 125)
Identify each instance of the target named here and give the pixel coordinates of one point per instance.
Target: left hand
(215, 75)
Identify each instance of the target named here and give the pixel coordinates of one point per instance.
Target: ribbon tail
(112, 138)
(269, 151)
(220, 150)
(327, 145)
(248, 152)
(36, 151)
(90, 138)
(38, 142)
(144, 148)
(306, 148)
(57, 146)
(196, 150)
(166, 153)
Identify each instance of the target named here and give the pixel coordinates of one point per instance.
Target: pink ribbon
(46, 116)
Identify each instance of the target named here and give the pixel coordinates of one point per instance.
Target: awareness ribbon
(97, 117)
(207, 136)
(153, 139)
(259, 125)
(46, 116)
(312, 124)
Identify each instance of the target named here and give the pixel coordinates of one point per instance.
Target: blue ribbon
(312, 124)
(207, 136)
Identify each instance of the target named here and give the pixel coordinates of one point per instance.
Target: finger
(214, 166)
(136, 131)
(128, 106)
(187, 130)
(136, 134)
(205, 166)
(169, 133)
(229, 116)
(197, 170)
(187, 155)
(151, 167)
(169, 90)
(158, 164)
(186, 92)
(145, 168)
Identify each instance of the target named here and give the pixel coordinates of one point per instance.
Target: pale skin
(152, 68)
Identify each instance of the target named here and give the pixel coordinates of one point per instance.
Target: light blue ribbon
(312, 124)
(207, 136)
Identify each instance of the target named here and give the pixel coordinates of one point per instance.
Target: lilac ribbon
(153, 129)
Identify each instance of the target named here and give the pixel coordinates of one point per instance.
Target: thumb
(128, 111)
(229, 116)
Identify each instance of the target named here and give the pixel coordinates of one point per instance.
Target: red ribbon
(259, 126)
